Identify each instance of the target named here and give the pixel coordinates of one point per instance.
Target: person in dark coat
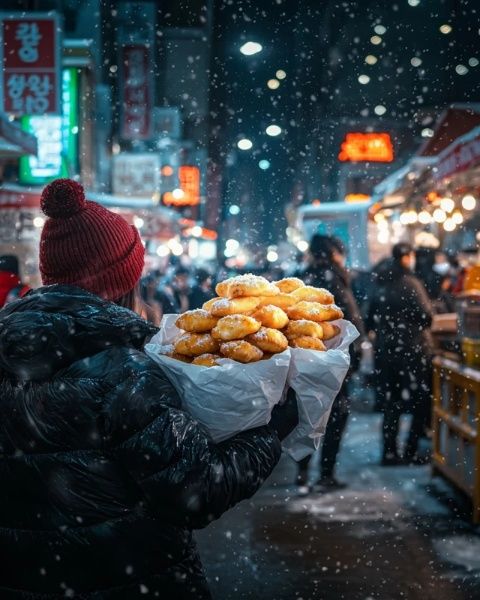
(400, 315)
(103, 475)
(327, 269)
(202, 291)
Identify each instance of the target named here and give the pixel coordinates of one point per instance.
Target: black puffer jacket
(102, 476)
(400, 314)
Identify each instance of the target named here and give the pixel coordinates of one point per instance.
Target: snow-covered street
(393, 533)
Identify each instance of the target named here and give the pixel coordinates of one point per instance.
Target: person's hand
(285, 417)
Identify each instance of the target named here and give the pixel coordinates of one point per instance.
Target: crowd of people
(392, 306)
(92, 432)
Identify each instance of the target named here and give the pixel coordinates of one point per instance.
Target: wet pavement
(394, 533)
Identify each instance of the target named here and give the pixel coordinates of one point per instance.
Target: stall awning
(16, 197)
(462, 154)
(453, 123)
(15, 142)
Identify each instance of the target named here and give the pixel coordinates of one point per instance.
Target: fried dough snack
(330, 330)
(206, 360)
(308, 293)
(269, 340)
(314, 311)
(302, 328)
(271, 316)
(169, 351)
(241, 351)
(234, 306)
(235, 327)
(289, 284)
(209, 303)
(196, 321)
(283, 301)
(308, 343)
(195, 344)
(246, 285)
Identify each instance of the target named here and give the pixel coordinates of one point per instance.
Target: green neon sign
(57, 138)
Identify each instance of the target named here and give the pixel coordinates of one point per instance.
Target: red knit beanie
(86, 245)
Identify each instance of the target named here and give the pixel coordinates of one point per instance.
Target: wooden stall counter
(456, 427)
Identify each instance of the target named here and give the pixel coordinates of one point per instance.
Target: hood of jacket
(54, 326)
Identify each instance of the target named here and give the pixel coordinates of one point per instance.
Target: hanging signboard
(188, 193)
(57, 138)
(366, 147)
(136, 89)
(136, 175)
(30, 57)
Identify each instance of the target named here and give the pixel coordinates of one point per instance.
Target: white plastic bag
(226, 399)
(317, 378)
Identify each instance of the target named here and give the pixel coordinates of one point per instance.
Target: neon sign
(367, 147)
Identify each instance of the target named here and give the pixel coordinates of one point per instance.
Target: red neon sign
(367, 147)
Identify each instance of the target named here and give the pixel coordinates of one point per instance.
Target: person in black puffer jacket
(400, 314)
(103, 476)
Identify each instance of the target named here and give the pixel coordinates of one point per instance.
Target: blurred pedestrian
(400, 314)
(202, 290)
(326, 268)
(181, 288)
(103, 475)
(11, 287)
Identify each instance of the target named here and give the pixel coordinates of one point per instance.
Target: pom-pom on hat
(86, 245)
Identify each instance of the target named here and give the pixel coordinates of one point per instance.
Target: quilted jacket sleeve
(183, 475)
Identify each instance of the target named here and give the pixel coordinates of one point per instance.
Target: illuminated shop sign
(57, 138)
(367, 147)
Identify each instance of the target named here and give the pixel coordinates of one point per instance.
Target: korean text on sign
(30, 56)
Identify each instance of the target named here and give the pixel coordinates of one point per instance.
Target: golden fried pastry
(304, 328)
(308, 343)
(241, 351)
(246, 285)
(289, 284)
(208, 305)
(314, 311)
(271, 316)
(330, 330)
(234, 306)
(269, 340)
(206, 360)
(169, 351)
(196, 321)
(283, 301)
(195, 344)
(308, 293)
(235, 327)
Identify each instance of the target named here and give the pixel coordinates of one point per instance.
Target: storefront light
(178, 193)
(469, 202)
(383, 237)
(234, 209)
(138, 222)
(196, 231)
(424, 217)
(38, 222)
(302, 246)
(163, 251)
(447, 204)
(272, 256)
(449, 224)
(457, 217)
(232, 244)
(404, 218)
(439, 215)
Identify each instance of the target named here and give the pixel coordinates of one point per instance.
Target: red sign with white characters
(31, 64)
(136, 90)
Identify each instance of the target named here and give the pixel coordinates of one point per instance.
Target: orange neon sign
(189, 180)
(366, 147)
